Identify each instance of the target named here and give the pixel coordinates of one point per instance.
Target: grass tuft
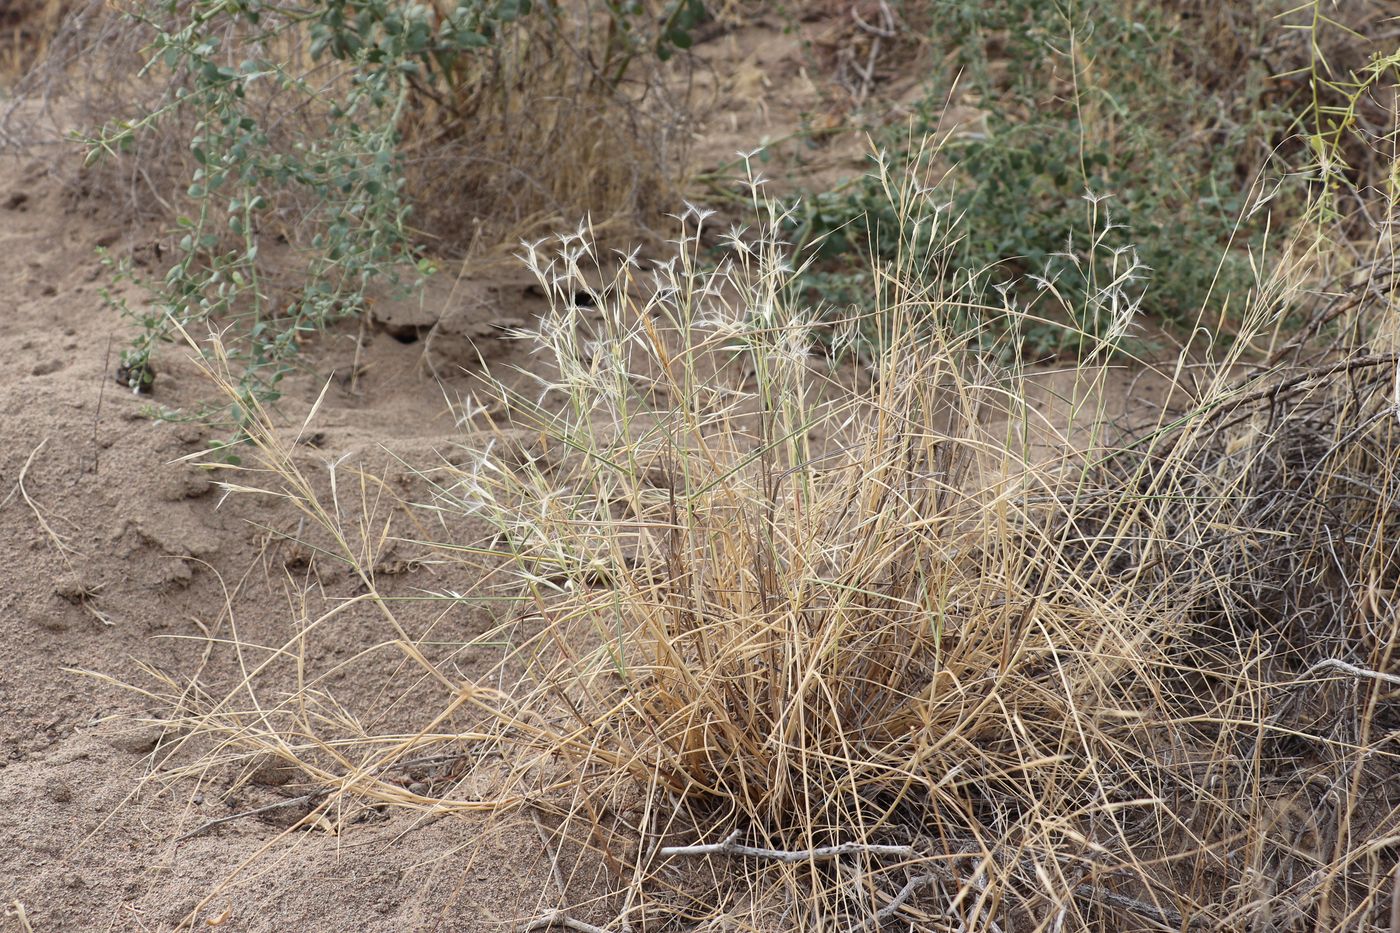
(939, 641)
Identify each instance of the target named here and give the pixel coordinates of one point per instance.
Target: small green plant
(283, 150)
(1083, 298)
(338, 175)
(1338, 117)
(1099, 99)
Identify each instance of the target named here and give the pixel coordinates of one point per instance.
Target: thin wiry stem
(730, 848)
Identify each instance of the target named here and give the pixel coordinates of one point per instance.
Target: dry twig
(15, 911)
(58, 541)
(553, 856)
(562, 921)
(1335, 664)
(731, 849)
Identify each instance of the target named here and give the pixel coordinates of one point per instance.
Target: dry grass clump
(567, 114)
(808, 612)
(904, 646)
(987, 652)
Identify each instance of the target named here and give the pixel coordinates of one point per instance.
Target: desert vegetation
(973, 508)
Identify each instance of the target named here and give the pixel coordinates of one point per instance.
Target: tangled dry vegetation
(785, 642)
(787, 646)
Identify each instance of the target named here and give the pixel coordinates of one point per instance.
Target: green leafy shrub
(1124, 102)
(293, 120)
(337, 173)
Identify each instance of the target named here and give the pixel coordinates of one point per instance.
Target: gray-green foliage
(335, 171)
(276, 141)
(1102, 98)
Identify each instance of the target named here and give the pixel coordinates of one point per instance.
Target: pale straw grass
(899, 647)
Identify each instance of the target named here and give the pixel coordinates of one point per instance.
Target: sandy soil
(114, 555)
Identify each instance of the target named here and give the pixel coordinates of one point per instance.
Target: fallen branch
(731, 849)
(885, 31)
(1352, 669)
(1314, 375)
(1395, 900)
(553, 858)
(896, 902)
(561, 920)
